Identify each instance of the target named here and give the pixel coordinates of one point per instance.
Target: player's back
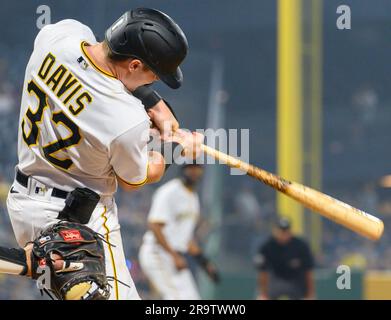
(72, 113)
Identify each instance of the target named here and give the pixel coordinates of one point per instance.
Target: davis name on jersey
(79, 126)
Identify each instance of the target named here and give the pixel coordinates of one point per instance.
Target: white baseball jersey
(179, 209)
(79, 126)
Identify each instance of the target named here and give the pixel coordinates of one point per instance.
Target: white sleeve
(129, 155)
(161, 208)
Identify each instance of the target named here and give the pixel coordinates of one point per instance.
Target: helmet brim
(174, 80)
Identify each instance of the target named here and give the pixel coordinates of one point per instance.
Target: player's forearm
(17, 261)
(193, 248)
(160, 238)
(159, 111)
(163, 118)
(14, 261)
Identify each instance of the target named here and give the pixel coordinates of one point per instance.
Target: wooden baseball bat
(354, 219)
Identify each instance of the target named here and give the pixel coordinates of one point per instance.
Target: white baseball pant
(171, 284)
(31, 212)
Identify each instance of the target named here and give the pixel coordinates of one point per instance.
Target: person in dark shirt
(285, 266)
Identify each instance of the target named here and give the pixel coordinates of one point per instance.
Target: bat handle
(225, 158)
(262, 175)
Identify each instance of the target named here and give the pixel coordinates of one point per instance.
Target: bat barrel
(354, 219)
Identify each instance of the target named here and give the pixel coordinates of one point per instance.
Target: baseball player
(172, 221)
(86, 111)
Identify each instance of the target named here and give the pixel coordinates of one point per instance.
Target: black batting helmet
(153, 37)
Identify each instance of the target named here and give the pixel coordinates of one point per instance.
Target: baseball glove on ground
(82, 276)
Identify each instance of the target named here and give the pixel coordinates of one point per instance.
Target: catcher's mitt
(83, 274)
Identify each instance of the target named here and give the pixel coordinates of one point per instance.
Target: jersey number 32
(35, 118)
